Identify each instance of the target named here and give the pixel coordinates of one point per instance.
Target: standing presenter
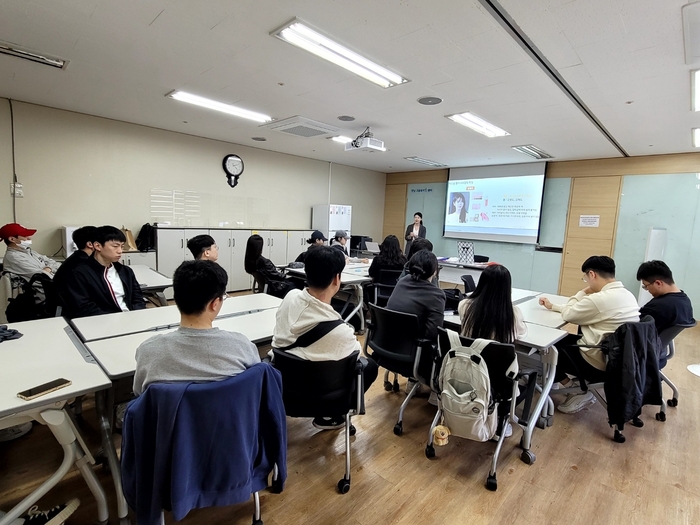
(414, 230)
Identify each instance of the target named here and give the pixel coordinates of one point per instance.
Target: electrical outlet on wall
(17, 190)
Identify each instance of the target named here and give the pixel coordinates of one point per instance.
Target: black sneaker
(329, 423)
(55, 516)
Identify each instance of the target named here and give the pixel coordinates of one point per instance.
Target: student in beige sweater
(598, 309)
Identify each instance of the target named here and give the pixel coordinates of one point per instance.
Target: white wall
(78, 169)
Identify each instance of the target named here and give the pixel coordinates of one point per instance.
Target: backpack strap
(455, 341)
(315, 334)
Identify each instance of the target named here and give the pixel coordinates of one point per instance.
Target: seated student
(19, 258)
(419, 244)
(340, 241)
(102, 285)
(83, 239)
(669, 306)
(489, 313)
(414, 294)
(195, 351)
(316, 239)
(390, 257)
(301, 311)
(261, 267)
(599, 309)
(203, 247)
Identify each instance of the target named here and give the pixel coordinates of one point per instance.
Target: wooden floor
(580, 477)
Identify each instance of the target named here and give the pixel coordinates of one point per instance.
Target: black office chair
(620, 406)
(322, 389)
(469, 284)
(499, 360)
(393, 338)
(384, 285)
(667, 336)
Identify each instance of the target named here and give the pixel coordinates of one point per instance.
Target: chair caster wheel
(491, 483)
(353, 430)
(124, 521)
(673, 402)
(344, 486)
(528, 457)
(636, 422)
(618, 437)
(661, 416)
(387, 386)
(541, 423)
(396, 387)
(398, 429)
(257, 522)
(429, 451)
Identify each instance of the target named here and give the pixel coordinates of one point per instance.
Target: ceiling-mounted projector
(365, 144)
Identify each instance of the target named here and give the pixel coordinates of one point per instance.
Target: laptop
(372, 247)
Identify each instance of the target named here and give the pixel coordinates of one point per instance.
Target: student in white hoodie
(301, 311)
(599, 309)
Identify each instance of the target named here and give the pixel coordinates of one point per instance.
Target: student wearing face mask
(19, 258)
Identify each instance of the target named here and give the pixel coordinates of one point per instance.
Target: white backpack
(467, 406)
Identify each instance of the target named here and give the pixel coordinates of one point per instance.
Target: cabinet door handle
(272, 241)
(182, 243)
(229, 243)
(234, 243)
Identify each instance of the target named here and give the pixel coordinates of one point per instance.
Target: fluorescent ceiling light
(299, 34)
(427, 162)
(342, 139)
(695, 88)
(478, 124)
(218, 106)
(533, 151)
(14, 51)
(696, 137)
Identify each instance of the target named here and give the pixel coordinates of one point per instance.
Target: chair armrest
(360, 385)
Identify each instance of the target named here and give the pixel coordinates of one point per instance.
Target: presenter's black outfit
(409, 240)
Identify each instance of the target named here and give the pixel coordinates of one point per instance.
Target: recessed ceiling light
(259, 139)
(427, 162)
(218, 106)
(695, 89)
(342, 139)
(346, 118)
(298, 33)
(696, 137)
(429, 101)
(533, 151)
(12, 50)
(478, 124)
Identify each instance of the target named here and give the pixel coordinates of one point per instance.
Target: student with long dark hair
(389, 258)
(489, 312)
(262, 269)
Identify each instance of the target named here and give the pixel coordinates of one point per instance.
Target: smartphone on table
(46, 388)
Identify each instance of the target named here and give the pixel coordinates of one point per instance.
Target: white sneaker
(576, 402)
(433, 399)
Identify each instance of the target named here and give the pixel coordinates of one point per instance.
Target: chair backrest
(316, 388)
(384, 285)
(668, 335)
(469, 284)
(393, 335)
(498, 358)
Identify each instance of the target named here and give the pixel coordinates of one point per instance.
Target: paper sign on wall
(589, 221)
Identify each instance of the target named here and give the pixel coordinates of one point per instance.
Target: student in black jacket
(102, 285)
(670, 305)
(263, 270)
(83, 239)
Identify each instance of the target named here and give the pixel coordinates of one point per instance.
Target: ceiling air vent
(301, 127)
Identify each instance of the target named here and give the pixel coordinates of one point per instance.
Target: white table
(451, 272)
(50, 350)
(351, 281)
(152, 283)
(122, 323)
(534, 312)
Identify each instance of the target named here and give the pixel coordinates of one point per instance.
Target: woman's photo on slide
(459, 205)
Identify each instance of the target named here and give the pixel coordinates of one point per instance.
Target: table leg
(110, 452)
(57, 421)
(359, 294)
(161, 298)
(549, 365)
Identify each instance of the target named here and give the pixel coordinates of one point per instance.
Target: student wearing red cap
(19, 258)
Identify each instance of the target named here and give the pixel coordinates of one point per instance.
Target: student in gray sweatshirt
(195, 351)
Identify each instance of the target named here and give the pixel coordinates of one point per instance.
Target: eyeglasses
(645, 286)
(224, 297)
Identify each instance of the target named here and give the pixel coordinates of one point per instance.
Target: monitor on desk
(372, 247)
(359, 242)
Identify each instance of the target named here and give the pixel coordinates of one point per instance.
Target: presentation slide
(495, 209)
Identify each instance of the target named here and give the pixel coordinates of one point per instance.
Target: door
(238, 279)
(265, 234)
(296, 243)
(170, 249)
(145, 258)
(222, 238)
(278, 247)
(188, 235)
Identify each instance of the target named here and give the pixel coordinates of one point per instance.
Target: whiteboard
(656, 249)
